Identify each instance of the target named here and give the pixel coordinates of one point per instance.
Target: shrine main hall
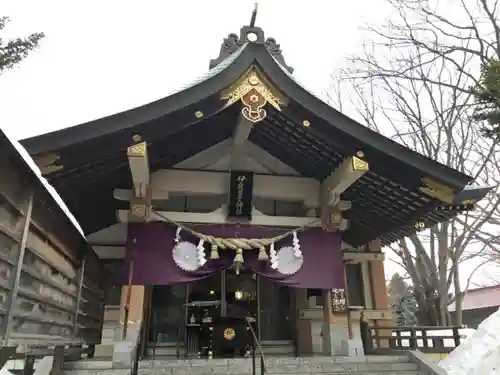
(244, 197)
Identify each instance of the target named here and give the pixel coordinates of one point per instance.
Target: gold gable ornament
(254, 93)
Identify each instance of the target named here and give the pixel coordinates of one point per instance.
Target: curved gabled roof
(221, 77)
(93, 154)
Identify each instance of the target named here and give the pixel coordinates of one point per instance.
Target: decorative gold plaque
(359, 165)
(137, 150)
(254, 93)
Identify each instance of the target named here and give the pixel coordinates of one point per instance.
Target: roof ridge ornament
(250, 34)
(254, 13)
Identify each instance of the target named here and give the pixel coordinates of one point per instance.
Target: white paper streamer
(296, 246)
(201, 253)
(178, 235)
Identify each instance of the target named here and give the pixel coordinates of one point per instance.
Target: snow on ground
(31, 163)
(480, 353)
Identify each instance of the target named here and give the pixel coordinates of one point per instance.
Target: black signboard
(240, 195)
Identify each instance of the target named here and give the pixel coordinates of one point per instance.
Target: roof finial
(254, 13)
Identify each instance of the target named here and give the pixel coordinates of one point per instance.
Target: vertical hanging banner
(240, 195)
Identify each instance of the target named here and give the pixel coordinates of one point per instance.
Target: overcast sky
(102, 57)
(106, 56)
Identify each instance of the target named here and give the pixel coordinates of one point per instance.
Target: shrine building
(244, 196)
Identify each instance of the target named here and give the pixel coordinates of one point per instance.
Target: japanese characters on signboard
(240, 195)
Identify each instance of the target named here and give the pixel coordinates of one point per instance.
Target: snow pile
(478, 355)
(31, 163)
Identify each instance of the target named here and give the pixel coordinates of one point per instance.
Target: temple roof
(46, 199)
(303, 132)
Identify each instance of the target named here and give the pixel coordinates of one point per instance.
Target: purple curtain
(150, 245)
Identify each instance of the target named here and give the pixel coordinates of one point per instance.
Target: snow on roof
(50, 189)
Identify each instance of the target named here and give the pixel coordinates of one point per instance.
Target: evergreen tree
(13, 51)
(487, 95)
(402, 301)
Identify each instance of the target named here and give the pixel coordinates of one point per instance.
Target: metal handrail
(137, 348)
(262, 359)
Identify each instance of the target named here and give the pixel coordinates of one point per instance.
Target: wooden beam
(169, 181)
(346, 174)
(139, 167)
(372, 314)
(206, 157)
(219, 216)
(242, 132)
(267, 160)
(359, 257)
(240, 135)
(212, 155)
(247, 164)
(110, 252)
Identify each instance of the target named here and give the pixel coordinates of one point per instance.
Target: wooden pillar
(304, 337)
(328, 319)
(136, 307)
(136, 303)
(379, 296)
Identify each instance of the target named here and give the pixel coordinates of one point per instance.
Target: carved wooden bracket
(344, 176)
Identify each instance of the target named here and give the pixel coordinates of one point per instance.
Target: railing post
(413, 338)
(425, 339)
(456, 336)
(5, 353)
(366, 335)
(91, 351)
(7, 324)
(57, 364)
(29, 365)
(80, 275)
(399, 343)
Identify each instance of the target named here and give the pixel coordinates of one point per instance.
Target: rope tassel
(239, 256)
(262, 254)
(214, 254)
(238, 260)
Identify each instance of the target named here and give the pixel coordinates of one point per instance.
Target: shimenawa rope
(236, 243)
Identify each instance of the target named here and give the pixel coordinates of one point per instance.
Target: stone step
(270, 348)
(370, 365)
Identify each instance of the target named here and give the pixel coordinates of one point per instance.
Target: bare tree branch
(412, 82)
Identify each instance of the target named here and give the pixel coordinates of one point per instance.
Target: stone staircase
(370, 365)
(271, 349)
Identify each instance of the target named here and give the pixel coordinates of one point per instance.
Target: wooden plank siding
(58, 296)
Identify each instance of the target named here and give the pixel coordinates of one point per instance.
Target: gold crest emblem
(229, 334)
